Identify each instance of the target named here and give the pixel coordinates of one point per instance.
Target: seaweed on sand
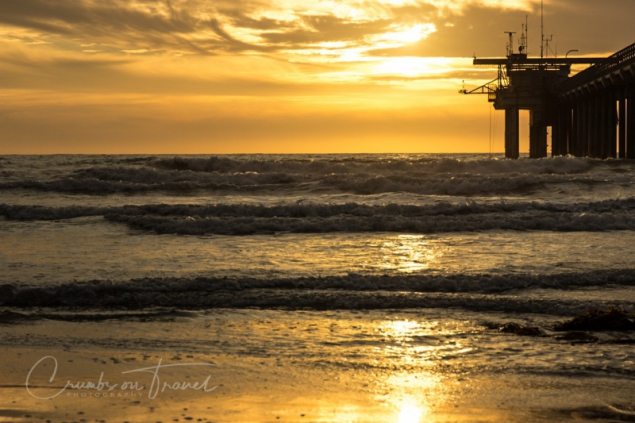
(611, 319)
(521, 330)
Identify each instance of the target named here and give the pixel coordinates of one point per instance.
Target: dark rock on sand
(612, 319)
(521, 330)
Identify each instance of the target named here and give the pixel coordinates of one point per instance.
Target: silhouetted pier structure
(590, 114)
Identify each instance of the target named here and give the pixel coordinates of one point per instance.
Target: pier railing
(612, 63)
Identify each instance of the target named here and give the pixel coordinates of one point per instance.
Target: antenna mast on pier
(526, 34)
(510, 44)
(522, 43)
(542, 29)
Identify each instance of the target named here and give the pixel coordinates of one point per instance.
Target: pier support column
(537, 134)
(559, 132)
(594, 108)
(612, 122)
(512, 147)
(621, 97)
(573, 140)
(564, 130)
(555, 136)
(600, 126)
(607, 125)
(570, 132)
(577, 125)
(630, 122)
(603, 126)
(586, 128)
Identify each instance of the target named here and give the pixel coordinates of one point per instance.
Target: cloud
(329, 28)
(201, 27)
(131, 25)
(343, 29)
(130, 70)
(285, 45)
(224, 27)
(348, 38)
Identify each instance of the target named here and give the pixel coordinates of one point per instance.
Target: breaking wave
(462, 185)
(245, 219)
(403, 224)
(426, 176)
(354, 291)
(8, 317)
(378, 164)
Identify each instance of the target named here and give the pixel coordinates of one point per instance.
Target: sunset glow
(182, 76)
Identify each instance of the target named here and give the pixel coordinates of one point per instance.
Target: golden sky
(269, 76)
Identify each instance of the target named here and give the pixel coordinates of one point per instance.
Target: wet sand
(251, 378)
(254, 390)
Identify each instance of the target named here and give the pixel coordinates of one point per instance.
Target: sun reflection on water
(408, 253)
(411, 395)
(415, 389)
(410, 414)
(401, 329)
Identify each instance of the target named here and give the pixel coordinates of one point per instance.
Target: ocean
(348, 287)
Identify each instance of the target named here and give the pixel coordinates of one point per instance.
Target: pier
(590, 114)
